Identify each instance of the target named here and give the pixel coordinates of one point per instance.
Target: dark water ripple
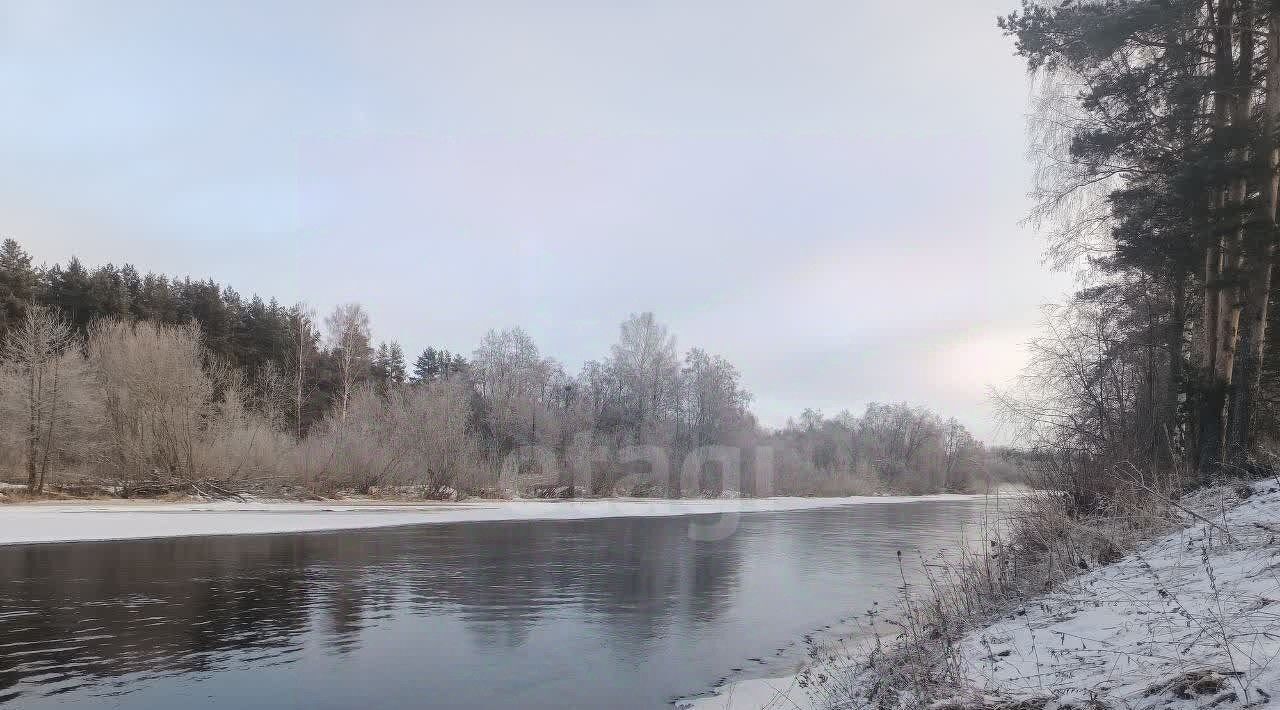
(622, 613)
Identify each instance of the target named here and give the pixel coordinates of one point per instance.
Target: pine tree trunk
(1231, 296)
(1209, 414)
(1214, 363)
(1257, 284)
(1173, 347)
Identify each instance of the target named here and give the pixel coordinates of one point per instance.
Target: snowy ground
(110, 520)
(1190, 621)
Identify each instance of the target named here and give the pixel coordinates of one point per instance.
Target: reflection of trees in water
(91, 612)
(343, 601)
(102, 610)
(878, 531)
(632, 574)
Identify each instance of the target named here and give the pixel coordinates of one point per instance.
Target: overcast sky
(827, 192)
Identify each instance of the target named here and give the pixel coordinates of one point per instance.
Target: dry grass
(914, 657)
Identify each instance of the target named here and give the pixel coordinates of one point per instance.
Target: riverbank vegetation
(1059, 617)
(120, 383)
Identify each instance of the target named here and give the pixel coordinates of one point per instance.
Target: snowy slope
(1192, 619)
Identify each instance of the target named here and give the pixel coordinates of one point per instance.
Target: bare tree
(176, 416)
(518, 386)
(158, 397)
(435, 423)
(349, 337)
(644, 359)
(45, 371)
(1079, 404)
(712, 400)
(272, 395)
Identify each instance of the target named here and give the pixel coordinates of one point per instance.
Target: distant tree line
(151, 384)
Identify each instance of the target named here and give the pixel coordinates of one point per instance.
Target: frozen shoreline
(84, 521)
(754, 694)
(1185, 622)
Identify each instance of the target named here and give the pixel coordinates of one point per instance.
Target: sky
(829, 193)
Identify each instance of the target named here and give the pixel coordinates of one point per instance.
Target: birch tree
(349, 337)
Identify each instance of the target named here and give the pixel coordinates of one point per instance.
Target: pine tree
(17, 284)
(108, 295)
(395, 367)
(425, 368)
(378, 367)
(434, 365)
(68, 290)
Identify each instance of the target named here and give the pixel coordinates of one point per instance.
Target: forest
(1153, 140)
(112, 381)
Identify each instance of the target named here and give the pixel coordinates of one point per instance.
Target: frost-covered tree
(349, 337)
(45, 389)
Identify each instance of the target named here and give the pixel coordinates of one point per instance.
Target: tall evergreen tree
(1167, 124)
(18, 282)
(395, 365)
(424, 368)
(68, 290)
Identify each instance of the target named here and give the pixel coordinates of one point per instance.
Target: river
(608, 613)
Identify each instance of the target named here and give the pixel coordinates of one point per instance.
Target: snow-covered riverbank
(123, 520)
(1189, 621)
(1192, 620)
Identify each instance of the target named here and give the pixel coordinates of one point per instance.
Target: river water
(608, 613)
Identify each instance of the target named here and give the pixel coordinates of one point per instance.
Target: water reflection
(624, 613)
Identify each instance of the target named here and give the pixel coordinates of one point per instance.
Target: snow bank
(1190, 621)
(83, 521)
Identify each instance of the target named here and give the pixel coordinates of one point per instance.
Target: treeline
(1155, 139)
(148, 384)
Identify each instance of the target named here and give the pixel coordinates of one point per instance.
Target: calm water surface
(621, 613)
